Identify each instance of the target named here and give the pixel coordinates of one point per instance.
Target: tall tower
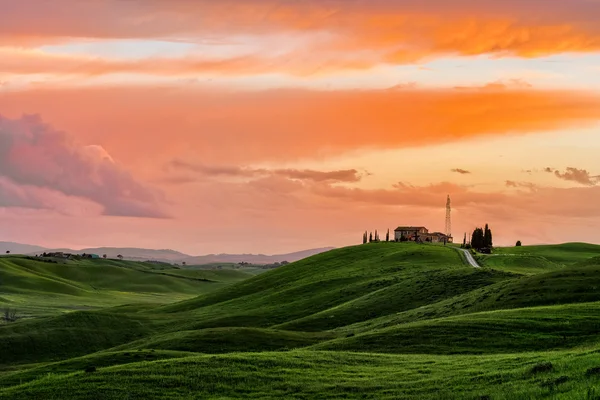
(448, 218)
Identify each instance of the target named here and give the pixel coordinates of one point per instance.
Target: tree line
(481, 239)
(369, 237)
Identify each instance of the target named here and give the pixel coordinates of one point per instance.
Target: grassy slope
(378, 279)
(388, 298)
(68, 335)
(37, 288)
(228, 340)
(577, 284)
(308, 375)
(502, 331)
(78, 364)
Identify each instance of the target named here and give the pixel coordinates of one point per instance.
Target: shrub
(542, 367)
(550, 383)
(518, 243)
(593, 371)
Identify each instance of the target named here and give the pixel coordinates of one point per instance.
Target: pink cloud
(34, 155)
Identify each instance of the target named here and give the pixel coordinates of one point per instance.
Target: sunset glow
(271, 126)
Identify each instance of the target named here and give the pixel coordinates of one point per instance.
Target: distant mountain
(18, 248)
(166, 255)
(254, 258)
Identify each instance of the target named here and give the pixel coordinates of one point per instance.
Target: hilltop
(381, 320)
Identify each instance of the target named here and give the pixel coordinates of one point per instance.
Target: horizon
(262, 127)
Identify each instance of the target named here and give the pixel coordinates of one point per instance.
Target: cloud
(334, 34)
(526, 185)
(460, 171)
(350, 175)
(243, 129)
(581, 176)
(35, 158)
(539, 201)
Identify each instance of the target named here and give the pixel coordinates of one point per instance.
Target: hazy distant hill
(255, 258)
(17, 248)
(131, 253)
(166, 255)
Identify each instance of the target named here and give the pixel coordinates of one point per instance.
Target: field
(380, 321)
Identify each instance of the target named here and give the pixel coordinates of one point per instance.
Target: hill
(254, 258)
(37, 287)
(165, 255)
(382, 320)
(18, 248)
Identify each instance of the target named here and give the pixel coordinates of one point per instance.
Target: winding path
(470, 258)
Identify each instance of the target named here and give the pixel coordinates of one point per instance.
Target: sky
(271, 126)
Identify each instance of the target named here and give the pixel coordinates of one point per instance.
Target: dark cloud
(350, 175)
(460, 171)
(33, 155)
(581, 176)
(526, 185)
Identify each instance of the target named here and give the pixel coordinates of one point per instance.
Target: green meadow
(376, 321)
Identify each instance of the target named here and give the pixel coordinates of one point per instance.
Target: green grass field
(379, 321)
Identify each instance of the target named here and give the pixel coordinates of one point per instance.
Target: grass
(37, 288)
(228, 340)
(338, 375)
(381, 321)
(562, 254)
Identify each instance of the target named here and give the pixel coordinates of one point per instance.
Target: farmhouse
(419, 233)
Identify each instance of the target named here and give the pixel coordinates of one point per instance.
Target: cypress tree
(486, 236)
(464, 245)
(387, 235)
(370, 237)
(477, 239)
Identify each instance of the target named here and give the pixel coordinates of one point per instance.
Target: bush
(518, 243)
(10, 315)
(593, 371)
(542, 367)
(550, 383)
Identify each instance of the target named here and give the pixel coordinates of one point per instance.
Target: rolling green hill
(38, 287)
(382, 320)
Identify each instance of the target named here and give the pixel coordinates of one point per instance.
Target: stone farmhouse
(419, 234)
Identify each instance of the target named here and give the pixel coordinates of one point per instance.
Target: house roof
(409, 228)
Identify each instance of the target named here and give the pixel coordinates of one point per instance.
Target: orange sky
(273, 126)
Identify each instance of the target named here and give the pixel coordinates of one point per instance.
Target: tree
(120, 257)
(477, 239)
(7, 251)
(376, 236)
(370, 237)
(184, 263)
(487, 237)
(365, 237)
(518, 243)
(104, 256)
(464, 245)
(387, 235)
